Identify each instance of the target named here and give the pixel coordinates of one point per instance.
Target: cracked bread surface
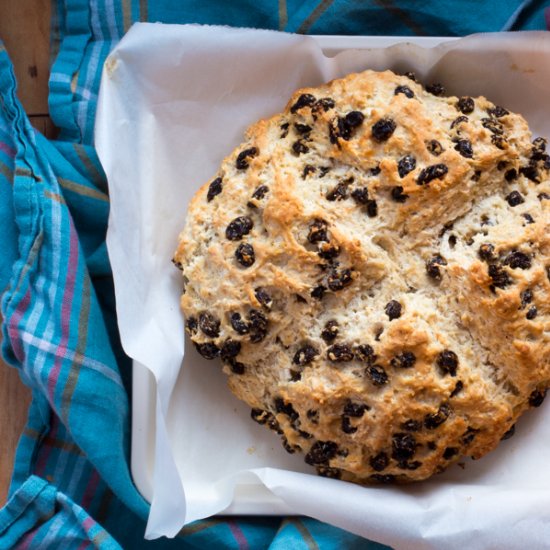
(372, 267)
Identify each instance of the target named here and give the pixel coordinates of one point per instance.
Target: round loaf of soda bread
(372, 268)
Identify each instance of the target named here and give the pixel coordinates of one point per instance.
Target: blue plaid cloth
(71, 484)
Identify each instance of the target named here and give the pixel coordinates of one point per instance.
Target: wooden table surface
(25, 31)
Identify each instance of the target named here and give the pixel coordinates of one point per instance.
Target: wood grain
(14, 403)
(25, 31)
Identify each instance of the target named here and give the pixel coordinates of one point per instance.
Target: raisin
(282, 407)
(191, 326)
(531, 313)
(404, 360)
(345, 127)
(305, 100)
(325, 103)
(499, 142)
(487, 252)
(539, 148)
(498, 111)
(412, 425)
(305, 355)
(372, 209)
(260, 192)
(284, 130)
(436, 89)
(318, 292)
(323, 171)
(536, 398)
(263, 297)
(179, 265)
(236, 366)
(365, 353)
(405, 90)
(257, 325)
(411, 76)
(331, 473)
(328, 251)
(514, 198)
(397, 194)
(209, 324)
(299, 147)
(245, 254)
(531, 172)
(244, 156)
(511, 175)
(215, 188)
(238, 228)
(500, 278)
(376, 170)
(377, 375)
(313, 416)
(403, 446)
(295, 375)
(526, 297)
(405, 165)
(347, 427)
(356, 410)
(509, 433)
(434, 147)
(528, 218)
(449, 452)
(393, 309)
(305, 435)
(464, 147)
(379, 462)
(308, 169)
(492, 125)
(383, 129)
(432, 421)
(360, 195)
(452, 241)
(447, 361)
(431, 172)
(459, 386)
(330, 332)
(518, 260)
(321, 452)
(339, 353)
(239, 326)
(339, 280)
(230, 349)
(465, 105)
(432, 266)
(477, 175)
(339, 192)
(459, 120)
(468, 436)
(354, 119)
(383, 478)
(208, 350)
(302, 128)
(291, 449)
(543, 197)
(317, 232)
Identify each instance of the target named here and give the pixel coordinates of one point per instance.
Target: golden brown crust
(386, 315)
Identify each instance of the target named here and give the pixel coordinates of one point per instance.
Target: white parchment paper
(174, 101)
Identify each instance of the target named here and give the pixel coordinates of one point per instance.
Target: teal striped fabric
(71, 485)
